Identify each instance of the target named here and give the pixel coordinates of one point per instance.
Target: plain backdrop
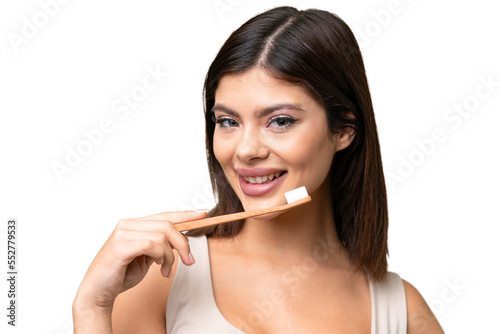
(67, 68)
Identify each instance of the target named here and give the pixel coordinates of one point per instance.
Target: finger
(159, 238)
(175, 238)
(136, 248)
(166, 269)
(180, 243)
(133, 225)
(144, 225)
(176, 216)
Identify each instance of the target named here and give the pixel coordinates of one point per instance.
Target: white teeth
(262, 179)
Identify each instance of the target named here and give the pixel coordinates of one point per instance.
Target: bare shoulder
(142, 309)
(420, 316)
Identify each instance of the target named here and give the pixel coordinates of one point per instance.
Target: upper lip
(257, 171)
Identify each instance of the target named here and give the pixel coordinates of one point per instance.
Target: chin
(256, 203)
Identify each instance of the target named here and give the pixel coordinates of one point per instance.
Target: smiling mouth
(264, 178)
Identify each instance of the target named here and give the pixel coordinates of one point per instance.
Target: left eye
(282, 122)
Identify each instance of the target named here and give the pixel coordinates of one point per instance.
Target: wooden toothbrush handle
(193, 224)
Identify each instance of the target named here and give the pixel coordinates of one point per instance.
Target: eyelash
(222, 120)
(290, 121)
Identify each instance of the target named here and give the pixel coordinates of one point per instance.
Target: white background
(423, 59)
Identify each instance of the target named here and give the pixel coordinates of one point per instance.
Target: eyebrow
(261, 113)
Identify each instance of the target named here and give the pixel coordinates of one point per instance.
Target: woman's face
(271, 137)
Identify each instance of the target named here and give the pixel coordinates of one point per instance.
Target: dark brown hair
(316, 50)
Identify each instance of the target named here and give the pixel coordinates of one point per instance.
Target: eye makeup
(282, 122)
(276, 122)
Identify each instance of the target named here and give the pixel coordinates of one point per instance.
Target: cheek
(315, 154)
(220, 151)
(223, 151)
(309, 155)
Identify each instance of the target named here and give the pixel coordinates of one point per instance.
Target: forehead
(256, 87)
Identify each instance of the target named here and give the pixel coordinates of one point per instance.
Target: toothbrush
(294, 198)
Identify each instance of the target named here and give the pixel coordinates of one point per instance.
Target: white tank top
(191, 307)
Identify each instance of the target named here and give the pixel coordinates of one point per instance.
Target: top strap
(388, 305)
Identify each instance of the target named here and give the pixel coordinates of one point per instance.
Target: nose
(252, 146)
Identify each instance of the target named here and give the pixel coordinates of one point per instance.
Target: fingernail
(201, 211)
(191, 258)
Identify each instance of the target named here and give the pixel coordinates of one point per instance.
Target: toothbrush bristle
(296, 194)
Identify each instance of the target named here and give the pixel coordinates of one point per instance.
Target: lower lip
(256, 189)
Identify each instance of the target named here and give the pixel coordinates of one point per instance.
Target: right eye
(226, 122)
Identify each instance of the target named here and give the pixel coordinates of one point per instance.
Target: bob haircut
(316, 50)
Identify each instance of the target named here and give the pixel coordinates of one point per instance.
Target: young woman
(287, 104)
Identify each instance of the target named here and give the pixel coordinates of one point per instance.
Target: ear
(346, 136)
